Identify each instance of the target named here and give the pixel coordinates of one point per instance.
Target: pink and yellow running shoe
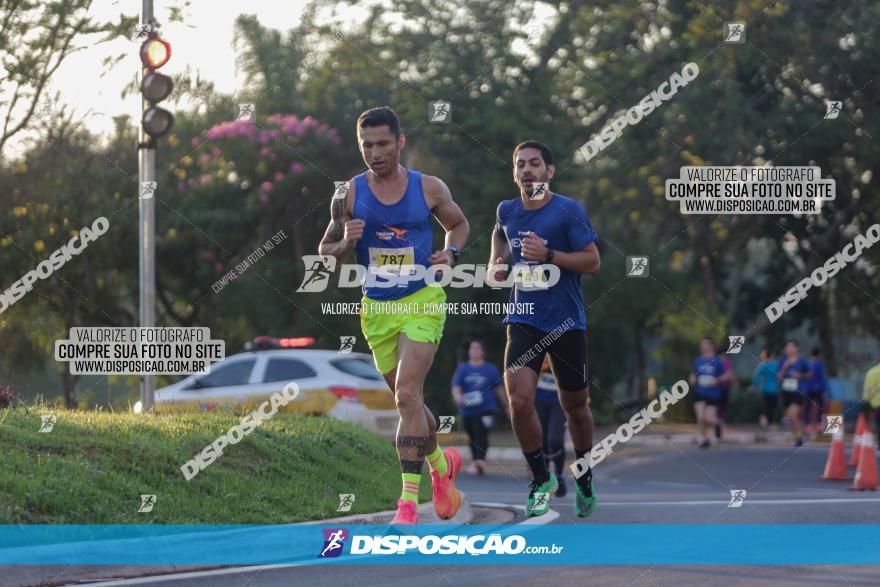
(446, 498)
(407, 512)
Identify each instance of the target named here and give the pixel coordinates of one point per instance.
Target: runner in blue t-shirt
(475, 385)
(817, 387)
(708, 374)
(794, 373)
(549, 234)
(765, 380)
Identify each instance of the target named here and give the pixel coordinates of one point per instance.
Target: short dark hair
(546, 153)
(381, 116)
(792, 341)
(816, 351)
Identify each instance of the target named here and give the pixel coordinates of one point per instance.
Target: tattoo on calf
(419, 442)
(411, 467)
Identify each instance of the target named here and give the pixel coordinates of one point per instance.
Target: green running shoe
(539, 496)
(583, 505)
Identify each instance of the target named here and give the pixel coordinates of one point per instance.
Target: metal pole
(146, 232)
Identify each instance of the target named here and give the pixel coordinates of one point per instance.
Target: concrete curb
(427, 515)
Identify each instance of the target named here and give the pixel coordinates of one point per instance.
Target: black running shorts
(792, 397)
(526, 347)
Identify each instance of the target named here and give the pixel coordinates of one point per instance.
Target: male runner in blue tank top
(385, 217)
(536, 229)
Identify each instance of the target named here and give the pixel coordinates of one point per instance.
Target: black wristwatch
(550, 254)
(455, 253)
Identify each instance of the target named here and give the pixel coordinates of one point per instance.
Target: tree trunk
(637, 379)
(69, 382)
(704, 251)
(826, 333)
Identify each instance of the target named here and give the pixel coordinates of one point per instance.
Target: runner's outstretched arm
(343, 232)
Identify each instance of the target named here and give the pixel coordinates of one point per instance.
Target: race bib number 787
(391, 256)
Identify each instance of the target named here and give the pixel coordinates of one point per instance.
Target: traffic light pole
(146, 232)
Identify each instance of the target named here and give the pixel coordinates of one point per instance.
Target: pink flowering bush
(262, 159)
(239, 176)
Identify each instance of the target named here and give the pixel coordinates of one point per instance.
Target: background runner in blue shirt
(817, 387)
(794, 372)
(475, 386)
(765, 381)
(707, 376)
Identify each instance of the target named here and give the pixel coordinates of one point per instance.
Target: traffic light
(155, 86)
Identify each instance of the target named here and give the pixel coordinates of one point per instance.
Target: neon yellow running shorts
(420, 316)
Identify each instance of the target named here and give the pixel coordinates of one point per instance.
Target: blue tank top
(398, 234)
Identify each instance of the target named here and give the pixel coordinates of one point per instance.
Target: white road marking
(751, 501)
(191, 575)
(540, 520)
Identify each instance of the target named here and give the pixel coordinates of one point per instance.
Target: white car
(345, 386)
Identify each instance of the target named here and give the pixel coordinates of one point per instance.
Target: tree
(35, 39)
(62, 185)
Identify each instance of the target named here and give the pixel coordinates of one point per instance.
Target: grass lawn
(93, 467)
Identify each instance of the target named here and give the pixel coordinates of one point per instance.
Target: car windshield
(358, 367)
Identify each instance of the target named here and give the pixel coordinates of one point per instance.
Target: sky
(204, 42)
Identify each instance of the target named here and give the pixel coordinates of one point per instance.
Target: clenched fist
(533, 248)
(354, 229)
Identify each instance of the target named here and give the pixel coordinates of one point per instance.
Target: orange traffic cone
(835, 466)
(857, 441)
(866, 473)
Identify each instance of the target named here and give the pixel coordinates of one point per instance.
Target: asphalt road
(671, 484)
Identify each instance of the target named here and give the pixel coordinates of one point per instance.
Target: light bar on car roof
(267, 342)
